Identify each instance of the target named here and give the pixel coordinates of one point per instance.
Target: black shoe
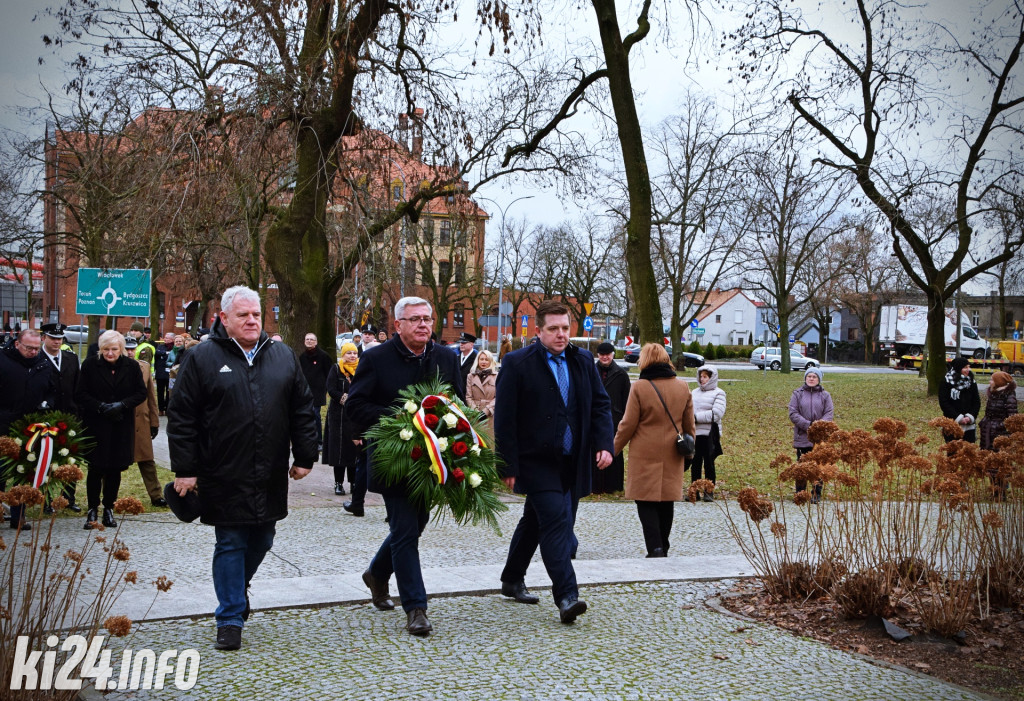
(519, 592)
(229, 638)
(24, 525)
(75, 507)
(657, 552)
(378, 592)
(354, 509)
(339, 489)
(160, 501)
(48, 510)
(90, 519)
(108, 518)
(708, 496)
(418, 623)
(570, 608)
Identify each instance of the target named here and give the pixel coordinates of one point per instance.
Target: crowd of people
(244, 415)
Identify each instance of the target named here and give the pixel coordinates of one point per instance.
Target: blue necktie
(562, 376)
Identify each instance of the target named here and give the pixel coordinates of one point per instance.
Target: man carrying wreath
(552, 421)
(407, 359)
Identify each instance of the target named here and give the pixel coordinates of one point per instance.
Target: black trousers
(656, 522)
(99, 480)
(358, 479)
(161, 393)
(702, 459)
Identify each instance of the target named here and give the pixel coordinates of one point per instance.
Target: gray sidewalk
(648, 633)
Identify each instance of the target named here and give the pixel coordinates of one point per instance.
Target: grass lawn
(757, 427)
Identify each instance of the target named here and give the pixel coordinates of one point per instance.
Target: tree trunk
(638, 182)
(936, 341)
(784, 340)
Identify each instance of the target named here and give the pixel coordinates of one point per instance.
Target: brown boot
(418, 623)
(378, 592)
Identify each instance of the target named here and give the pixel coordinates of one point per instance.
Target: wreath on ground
(439, 448)
(44, 450)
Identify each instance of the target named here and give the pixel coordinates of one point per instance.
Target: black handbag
(716, 440)
(684, 441)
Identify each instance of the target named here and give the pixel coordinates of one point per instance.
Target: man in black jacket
(409, 358)
(161, 372)
(315, 366)
(66, 367)
(239, 402)
(552, 421)
(27, 384)
(616, 383)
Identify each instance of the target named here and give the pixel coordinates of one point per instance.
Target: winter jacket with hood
(231, 424)
(807, 405)
(708, 402)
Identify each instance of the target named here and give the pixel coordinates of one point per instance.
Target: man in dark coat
(239, 404)
(616, 383)
(315, 366)
(552, 422)
(67, 367)
(467, 355)
(27, 384)
(162, 372)
(409, 358)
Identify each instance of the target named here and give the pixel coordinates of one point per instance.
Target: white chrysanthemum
(412, 407)
(474, 479)
(63, 452)
(31, 457)
(72, 434)
(451, 420)
(442, 443)
(406, 434)
(18, 441)
(71, 461)
(475, 450)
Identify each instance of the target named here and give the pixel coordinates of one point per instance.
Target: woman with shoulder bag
(708, 410)
(340, 450)
(659, 414)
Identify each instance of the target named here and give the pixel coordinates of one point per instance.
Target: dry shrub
(828, 573)
(820, 431)
(792, 580)
(697, 489)
(945, 606)
(950, 428)
(863, 594)
(1014, 424)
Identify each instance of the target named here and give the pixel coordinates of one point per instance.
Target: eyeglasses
(417, 320)
(30, 349)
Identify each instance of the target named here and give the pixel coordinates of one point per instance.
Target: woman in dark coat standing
(340, 452)
(959, 398)
(110, 386)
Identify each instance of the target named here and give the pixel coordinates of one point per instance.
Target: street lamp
(501, 256)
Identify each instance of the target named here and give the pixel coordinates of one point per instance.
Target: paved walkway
(648, 634)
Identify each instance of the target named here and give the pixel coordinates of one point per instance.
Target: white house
(728, 317)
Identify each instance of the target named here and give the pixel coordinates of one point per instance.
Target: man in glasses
(28, 383)
(406, 359)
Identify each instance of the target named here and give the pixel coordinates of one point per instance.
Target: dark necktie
(562, 376)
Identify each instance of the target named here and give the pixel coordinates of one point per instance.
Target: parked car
(76, 334)
(690, 360)
(343, 338)
(772, 357)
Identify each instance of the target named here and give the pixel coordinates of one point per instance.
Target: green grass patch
(757, 427)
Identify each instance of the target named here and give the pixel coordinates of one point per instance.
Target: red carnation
(458, 474)
(62, 426)
(460, 449)
(416, 453)
(432, 421)
(62, 439)
(74, 448)
(430, 402)
(462, 426)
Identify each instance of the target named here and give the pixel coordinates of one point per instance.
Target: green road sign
(113, 292)
(698, 331)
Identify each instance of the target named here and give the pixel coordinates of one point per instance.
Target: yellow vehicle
(1011, 357)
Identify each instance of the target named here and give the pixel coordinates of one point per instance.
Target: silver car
(772, 357)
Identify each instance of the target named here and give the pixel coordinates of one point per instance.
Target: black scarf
(655, 371)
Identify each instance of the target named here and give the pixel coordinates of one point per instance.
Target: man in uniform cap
(66, 367)
(369, 332)
(467, 355)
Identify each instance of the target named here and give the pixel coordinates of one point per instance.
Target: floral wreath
(44, 450)
(437, 446)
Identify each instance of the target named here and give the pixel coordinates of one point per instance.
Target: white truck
(903, 329)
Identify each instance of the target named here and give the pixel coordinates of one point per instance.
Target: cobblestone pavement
(637, 641)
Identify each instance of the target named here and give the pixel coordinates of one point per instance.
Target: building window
(974, 318)
(1009, 319)
(851, 334)
(446, 233)
(460, 237)
(738, 319)
(396, 191)
(444, 272)
(458, 317)
(428, 231)
(718, 318)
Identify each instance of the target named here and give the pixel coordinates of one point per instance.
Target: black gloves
(153, 431)
(112, 410)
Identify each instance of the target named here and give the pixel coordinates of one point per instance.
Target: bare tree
(793, 215)
(891, 118)
(589, 248)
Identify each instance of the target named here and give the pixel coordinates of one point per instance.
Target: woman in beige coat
(655, 470)
(147, 426)
(481, 382)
